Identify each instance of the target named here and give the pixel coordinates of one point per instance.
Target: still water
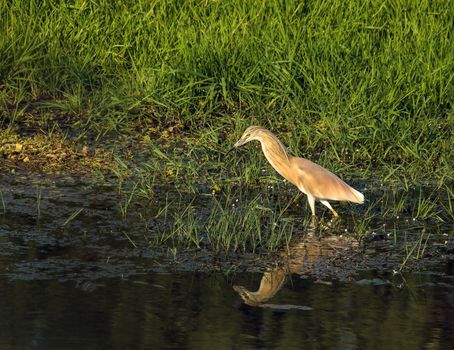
(83, 285)
(202, 311)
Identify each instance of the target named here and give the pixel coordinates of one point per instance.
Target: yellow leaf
(18, 147)
(26, 160)
(146, 139)
(84, 151)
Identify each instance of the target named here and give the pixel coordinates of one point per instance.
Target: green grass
(415, 222)
(3, 202)
(364, 88)
(38, 201)
(229, 224)
(357, 85)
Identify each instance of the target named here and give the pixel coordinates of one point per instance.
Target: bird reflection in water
(305, 257)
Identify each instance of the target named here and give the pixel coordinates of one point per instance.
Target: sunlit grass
(363, 88)
(242, 219)
(230, 224)
(354, 85)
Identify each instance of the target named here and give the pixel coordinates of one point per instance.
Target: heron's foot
(335, 214)
(314, 220)
(313, 223)
(334, 223)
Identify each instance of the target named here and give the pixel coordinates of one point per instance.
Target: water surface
(95, 283)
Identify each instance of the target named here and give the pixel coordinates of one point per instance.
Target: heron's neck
(276, 153)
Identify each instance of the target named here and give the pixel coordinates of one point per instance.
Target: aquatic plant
(229, 225)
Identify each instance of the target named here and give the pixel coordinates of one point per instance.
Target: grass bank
(359, 86)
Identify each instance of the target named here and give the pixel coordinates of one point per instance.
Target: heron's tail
(358, 197)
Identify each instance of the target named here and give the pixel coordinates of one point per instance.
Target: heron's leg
(311, 201)
(326, 204)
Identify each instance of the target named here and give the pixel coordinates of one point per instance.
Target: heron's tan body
(310, 178)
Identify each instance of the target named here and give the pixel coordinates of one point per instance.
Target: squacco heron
(313, 180)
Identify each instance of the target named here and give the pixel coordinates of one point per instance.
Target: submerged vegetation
(240, 220)
(229, 225)
(154, 92)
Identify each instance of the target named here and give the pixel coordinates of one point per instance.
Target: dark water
(198, 310)
(84, 285)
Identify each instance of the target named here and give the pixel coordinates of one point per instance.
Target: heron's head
(251, 133)
(248, 297)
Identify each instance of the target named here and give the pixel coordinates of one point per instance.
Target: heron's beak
(230, 150)
(239, 143)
